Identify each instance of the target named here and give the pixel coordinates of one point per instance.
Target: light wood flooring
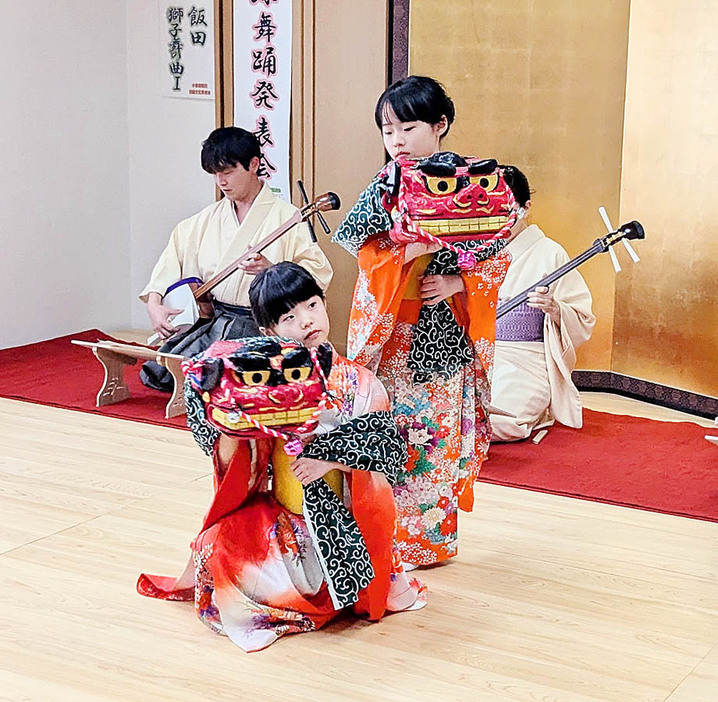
(550, 600)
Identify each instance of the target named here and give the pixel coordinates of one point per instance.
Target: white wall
(95, 166)
(64, 250)
(167, 183)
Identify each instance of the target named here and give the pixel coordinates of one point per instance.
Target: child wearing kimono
(443, 408)
(286, 554)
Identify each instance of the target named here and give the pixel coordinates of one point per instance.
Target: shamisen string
(466, 259)
(293, 444)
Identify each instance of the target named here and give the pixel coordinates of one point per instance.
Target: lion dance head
(260, 386)
(461, 203)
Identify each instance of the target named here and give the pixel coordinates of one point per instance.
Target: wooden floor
(550, 600)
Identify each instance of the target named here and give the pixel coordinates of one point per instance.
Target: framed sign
(186, 39)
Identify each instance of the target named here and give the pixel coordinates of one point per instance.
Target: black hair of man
(416, 98)
(518, 183)
(278, 289)
(226, 147)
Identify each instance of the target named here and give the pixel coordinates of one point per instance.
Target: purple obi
(523, 323)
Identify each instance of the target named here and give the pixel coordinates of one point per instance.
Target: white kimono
(210, 240)
(532, 379)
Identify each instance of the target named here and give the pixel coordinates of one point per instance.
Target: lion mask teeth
(233, 420)
(470, 225)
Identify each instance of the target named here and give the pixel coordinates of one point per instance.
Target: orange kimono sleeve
(475, 309)
(380, 287)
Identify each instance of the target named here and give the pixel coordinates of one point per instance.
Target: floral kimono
(435, 362)
(274, 558)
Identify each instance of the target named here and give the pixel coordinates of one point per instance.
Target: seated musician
(204, 244)
(536, 342)
(298, 530)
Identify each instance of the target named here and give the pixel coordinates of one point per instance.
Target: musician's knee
(509, 429)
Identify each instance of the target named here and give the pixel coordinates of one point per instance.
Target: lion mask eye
(441, 186)
(487, 182)
(297, 375)
(255, 377)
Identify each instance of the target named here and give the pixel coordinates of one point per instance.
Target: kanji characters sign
(263, 82)
(187, 49)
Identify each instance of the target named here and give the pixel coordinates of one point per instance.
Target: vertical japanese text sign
(187, 49)
(263, 82)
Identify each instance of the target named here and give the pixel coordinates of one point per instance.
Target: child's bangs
(407, 108)
(283, 296)
(401, 105)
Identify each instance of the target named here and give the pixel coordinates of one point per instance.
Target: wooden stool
(115, 356)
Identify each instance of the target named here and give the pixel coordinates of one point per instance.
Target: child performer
(265, 564)
(443, 412)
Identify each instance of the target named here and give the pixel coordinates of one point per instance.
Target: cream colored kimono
(210, 240)
(532, 379)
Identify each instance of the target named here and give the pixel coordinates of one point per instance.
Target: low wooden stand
(115, 356)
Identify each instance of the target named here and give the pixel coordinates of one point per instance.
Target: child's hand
(419, 248)
(307, 470)
(435, 288)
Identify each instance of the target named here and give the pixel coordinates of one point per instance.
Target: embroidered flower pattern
(447, 433)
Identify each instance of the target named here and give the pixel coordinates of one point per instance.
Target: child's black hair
(416, 98)
(226, 147)
(279, 288)
(518, 183)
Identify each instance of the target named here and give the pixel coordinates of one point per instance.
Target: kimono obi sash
(287, 489)
(418, 267)
(523, 323)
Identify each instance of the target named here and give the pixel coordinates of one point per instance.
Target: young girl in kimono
(443, 412)
(288, 543)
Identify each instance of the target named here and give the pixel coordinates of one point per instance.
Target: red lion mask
(448, 199)
(261, 385)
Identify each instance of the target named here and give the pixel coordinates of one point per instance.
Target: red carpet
(658, 466)
(62, 374)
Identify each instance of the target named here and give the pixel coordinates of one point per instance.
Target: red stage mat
(62, 374)
(659, 466)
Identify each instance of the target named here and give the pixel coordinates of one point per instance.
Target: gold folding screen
(539, 85)
(613, 103)
(666, 327)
